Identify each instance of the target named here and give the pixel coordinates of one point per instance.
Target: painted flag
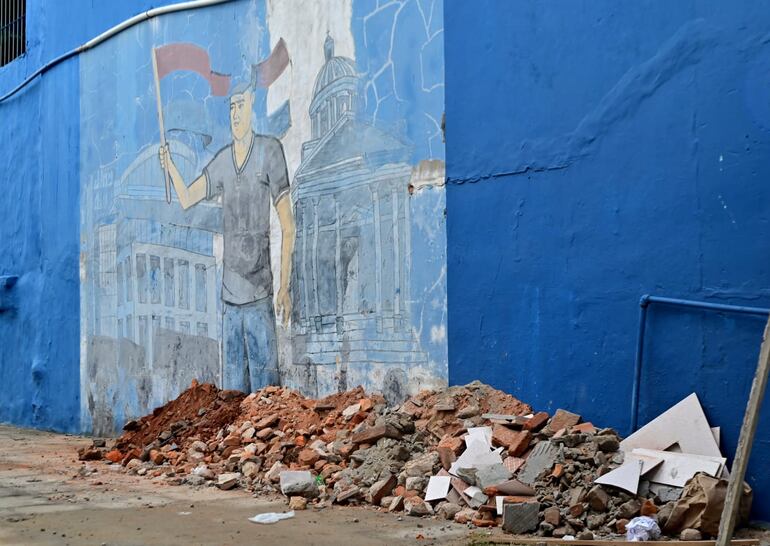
(184, 56)
(266, 72)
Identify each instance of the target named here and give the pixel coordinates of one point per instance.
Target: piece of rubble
(598, 499)
(552, 515)
(520, 517)
(415, 506)
(228, 480)
(690, 535)
(298, 482)
(448, 510)
(297, 503)
(563, 419)
(515, 441)
(381, 488)
(541, 458)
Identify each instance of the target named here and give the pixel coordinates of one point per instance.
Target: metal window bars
(13, 39)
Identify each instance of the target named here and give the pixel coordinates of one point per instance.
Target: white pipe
(149, 14)
(128, 23)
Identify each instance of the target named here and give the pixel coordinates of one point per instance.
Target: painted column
(377, 255)
(306, 297)
(407, 253)
(396, 263)
(338, 256)
(317, 318)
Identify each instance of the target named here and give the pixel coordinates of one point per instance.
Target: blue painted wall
(39, 216)
(598, 151)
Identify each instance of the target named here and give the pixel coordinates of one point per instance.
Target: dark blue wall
(39, 215)
(597, 151)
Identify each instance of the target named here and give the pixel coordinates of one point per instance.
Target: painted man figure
(248, 174)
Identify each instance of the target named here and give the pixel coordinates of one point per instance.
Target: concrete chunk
(520, 517)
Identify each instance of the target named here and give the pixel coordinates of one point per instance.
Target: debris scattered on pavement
(472, 454)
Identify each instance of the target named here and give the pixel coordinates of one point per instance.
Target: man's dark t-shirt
(246, 196)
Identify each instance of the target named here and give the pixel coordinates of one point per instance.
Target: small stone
(620, 526)
(228, 480)
(607, 444)
(468, 411)
(465, 515)
(250, 469)
(351, 410)
(416, 483)
(274, 474)
(297, 503)
(629, 509)
(415, 506)
(551, 515)
(690, 534)
(598, 499)
(422, 465)
(381, 488)
(396, 504)
(448, 510)
(585, 535)
(576, 510)
(269, 421)
(594, 521)
(648, 508)
(308, 457)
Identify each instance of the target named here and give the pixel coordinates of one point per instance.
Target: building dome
(334, 68)
(334, 91)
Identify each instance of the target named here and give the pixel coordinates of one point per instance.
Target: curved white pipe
(128, 23)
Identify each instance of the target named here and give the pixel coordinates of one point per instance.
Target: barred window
(13, 30)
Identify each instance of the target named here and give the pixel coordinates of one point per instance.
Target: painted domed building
(352, 257)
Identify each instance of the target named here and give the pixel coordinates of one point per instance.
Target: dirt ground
(43, 500)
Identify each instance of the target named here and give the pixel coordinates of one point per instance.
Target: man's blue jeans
(250, 346)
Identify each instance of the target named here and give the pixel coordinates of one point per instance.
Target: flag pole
(160, 121)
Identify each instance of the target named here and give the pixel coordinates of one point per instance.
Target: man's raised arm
(188, 195)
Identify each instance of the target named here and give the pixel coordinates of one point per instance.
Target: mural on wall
(263, 203)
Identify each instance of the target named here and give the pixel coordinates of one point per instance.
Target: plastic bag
(642, 528)
(271, 517)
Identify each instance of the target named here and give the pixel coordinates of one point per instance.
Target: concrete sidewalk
(46, 499)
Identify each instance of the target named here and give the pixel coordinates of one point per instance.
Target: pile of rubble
(470, 453)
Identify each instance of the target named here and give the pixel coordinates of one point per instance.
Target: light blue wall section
(599, 151)
(39, 338)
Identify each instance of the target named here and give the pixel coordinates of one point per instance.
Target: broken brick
(515, 441)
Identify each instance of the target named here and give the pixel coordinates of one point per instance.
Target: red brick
(537, 422)
(563, 419)
(515, 441)
(588, 428)
(269, 421)
(372, 434)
